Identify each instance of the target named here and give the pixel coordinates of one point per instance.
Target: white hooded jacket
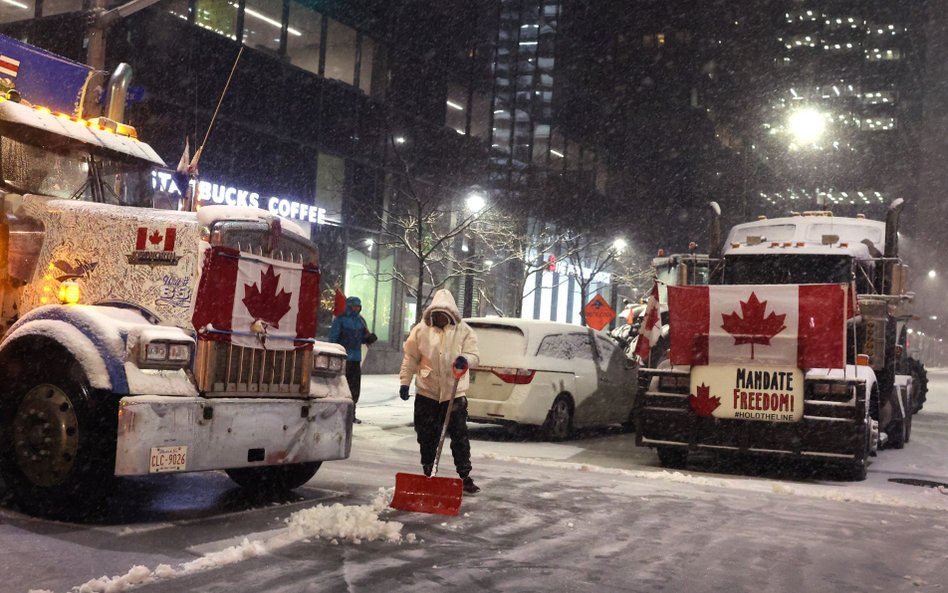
(430, 351)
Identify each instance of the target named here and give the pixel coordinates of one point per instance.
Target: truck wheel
(673, 457)
(57, 441)
(899, 429)
(559, 420)
(274, 479)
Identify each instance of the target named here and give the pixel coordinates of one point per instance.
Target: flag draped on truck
(651, 330)
(801, 326)
(255, 300)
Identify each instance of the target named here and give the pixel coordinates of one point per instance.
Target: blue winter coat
(350, 330)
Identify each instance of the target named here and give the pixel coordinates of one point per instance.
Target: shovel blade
(421, 494)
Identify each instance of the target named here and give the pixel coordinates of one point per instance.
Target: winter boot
(470, 487)
(427, 469)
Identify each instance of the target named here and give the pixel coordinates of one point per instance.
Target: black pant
(429, 417)
(354, 379)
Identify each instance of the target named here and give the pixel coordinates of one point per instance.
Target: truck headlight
(161, 354)
(328, 364)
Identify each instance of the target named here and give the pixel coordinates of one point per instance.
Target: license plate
(168, 459)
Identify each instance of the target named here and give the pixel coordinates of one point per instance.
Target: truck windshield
(787, 269)
(30, 169)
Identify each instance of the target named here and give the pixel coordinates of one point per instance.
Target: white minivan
(556, 376)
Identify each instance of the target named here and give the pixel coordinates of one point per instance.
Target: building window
(648, 40)
(16, 10)
(879, 98)
(480, 115)
(367, 65)
(455, 113)
(178, 8)
(363, 268)
(303, 49)
(51, 7)
(878, 124)
(263, 22)
(219, 16)
(330, 185)
(340, 52)
(660, 39)
(883, 55)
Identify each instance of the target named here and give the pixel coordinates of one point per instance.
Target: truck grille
(226, 368)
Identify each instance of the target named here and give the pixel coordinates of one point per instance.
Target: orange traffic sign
(598, 313)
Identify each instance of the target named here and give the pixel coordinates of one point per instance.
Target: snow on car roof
(208, 215)
(532, 329)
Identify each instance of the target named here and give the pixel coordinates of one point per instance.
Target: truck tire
(900, 429)
(274, 479)
(559, 420)
(57, 436)
(919, 382)
(673, 457)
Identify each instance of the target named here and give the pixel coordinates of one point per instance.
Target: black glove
(370, 339)
(403, 392)
(460, 363)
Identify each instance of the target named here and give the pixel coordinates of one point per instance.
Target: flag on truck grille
(651, 329)
(792, 325)
(255, 301)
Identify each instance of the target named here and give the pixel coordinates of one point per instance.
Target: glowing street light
(807, 125)
(475, 202)
(619, 244)
(931, 273)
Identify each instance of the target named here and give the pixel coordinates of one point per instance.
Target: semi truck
(838, 413)
(138, 340)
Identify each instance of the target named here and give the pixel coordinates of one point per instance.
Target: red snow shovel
(421, 494)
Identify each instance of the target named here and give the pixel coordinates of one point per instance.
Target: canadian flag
(256, 301)
(651, 330)
(155, 239)
(789, 325)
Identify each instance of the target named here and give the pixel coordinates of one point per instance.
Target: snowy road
(592, 514)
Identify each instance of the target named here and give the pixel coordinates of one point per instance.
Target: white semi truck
(138, 340)
(842, 408)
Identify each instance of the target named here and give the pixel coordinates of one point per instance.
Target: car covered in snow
(555, 376)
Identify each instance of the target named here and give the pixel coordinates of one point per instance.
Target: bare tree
(425, 219)
(589, 256)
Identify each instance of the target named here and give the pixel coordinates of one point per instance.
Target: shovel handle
(447, 418)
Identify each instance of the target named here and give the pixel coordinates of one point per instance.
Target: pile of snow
(353, 523)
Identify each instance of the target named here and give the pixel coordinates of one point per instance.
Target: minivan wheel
(559, 420)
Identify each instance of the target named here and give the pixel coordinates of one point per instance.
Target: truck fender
(99, 338)
(83, 349)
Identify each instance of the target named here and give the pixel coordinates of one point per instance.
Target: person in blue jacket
(350, 330)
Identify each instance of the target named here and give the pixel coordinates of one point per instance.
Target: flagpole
(197, 155)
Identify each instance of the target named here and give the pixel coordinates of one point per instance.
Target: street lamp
(806, 125)
(932, 273)
(619, 245)
(475, 202)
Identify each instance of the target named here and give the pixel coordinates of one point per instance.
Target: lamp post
(474, 203)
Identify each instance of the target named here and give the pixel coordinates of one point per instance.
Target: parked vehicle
(556, 376)
(179, 341)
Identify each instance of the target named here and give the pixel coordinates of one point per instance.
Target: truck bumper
(829, 430)
(224, 433)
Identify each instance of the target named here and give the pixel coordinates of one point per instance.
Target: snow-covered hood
(115, 253)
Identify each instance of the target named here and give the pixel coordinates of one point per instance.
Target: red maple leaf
(754, 328)
(703, 404)
(264, 303)
(155, 237)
